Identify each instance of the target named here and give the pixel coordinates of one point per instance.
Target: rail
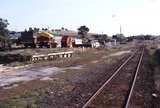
(130, 91)
(102, 87)
(134, 82)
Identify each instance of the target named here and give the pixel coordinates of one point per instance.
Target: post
(120, 29)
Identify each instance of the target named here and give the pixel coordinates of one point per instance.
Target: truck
(37, 39)
(77, 42)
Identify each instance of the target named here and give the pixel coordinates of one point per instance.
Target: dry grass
(155, 63)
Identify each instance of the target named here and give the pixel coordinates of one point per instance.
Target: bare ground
(69, 89)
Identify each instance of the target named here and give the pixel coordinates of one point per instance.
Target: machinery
(66, 41)
(38, 39)
(46, 39)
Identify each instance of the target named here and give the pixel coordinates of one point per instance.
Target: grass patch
(155, 63)
(18, 104)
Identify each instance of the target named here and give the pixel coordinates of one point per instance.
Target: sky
(100, 16)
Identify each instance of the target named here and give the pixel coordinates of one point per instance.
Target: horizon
(100, 16)
(88, 32)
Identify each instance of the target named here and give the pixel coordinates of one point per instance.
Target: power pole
(48, 27)
(120, 29)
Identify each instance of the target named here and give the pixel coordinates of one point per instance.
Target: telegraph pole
(120, 29)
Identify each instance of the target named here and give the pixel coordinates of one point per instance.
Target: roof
(65, 33)
(46, 34)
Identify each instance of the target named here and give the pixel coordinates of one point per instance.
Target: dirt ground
(64, 83)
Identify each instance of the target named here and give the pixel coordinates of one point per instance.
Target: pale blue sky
(135, 16)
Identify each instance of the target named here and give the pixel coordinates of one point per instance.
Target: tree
(36, 29)
(4, 33)
(30, 29)
(3, 28)
(62, 28)
(66, 29)
(83, 30)
(44, 29)
(119, 37)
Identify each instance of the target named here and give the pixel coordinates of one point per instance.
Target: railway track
(117, 91)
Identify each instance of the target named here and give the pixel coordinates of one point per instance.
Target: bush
(8, 58)
(156, 58)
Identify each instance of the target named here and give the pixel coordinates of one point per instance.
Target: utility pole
(120, 29)
(48, 27)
